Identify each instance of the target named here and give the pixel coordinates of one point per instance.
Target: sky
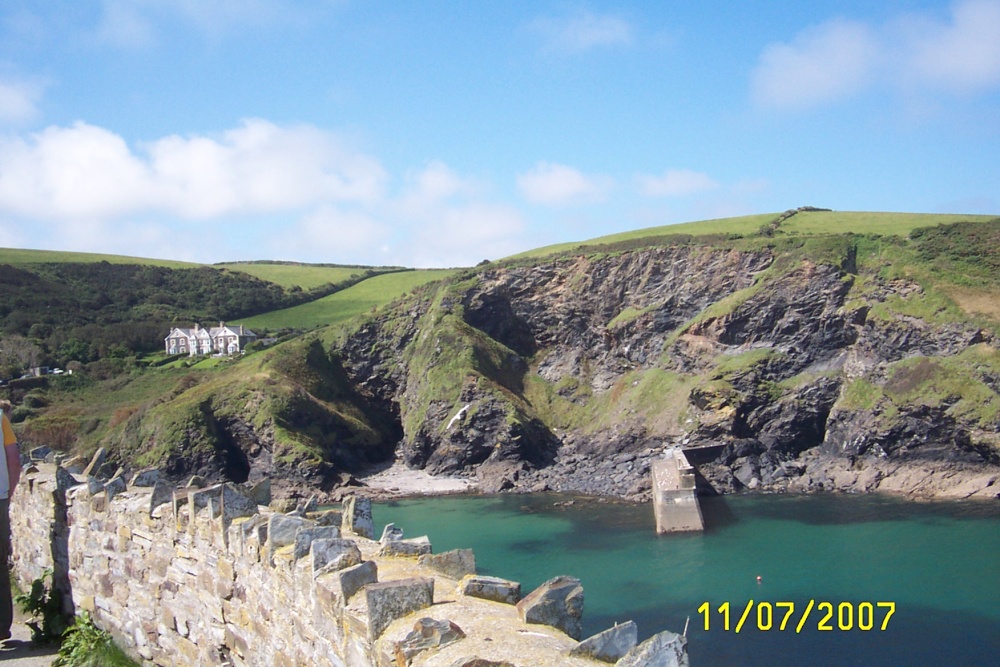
(435, 134)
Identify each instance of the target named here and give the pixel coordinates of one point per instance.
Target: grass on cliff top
(306, 276)
(806, 223)
(16, 256)
(349, 303)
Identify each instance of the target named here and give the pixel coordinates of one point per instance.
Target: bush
(86, 645)
(46, 608)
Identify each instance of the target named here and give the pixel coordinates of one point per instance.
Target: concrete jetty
(675, 501)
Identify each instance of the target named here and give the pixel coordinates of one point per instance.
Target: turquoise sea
(938, 562)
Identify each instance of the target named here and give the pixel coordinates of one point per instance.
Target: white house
(199, 340)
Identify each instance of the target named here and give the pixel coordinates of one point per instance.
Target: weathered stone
(353, 579)
(610, 645)
(427, 633)
(328, 517)
(334, 554)
(305, 535)
(557, 603)
(455, 563)
(282, 505)
(64, 479)
(358, 517)
(394, 599)
(480, 662)
(390, 533)
(281, 531)
(666, 649)
(145, 477)
(196, 482)
(406, 548)
(100, 456)
(235, 504)
(39, 453)
(491, 588)
(261, 492)
(74, 464)
(162, 494)
(114, 487)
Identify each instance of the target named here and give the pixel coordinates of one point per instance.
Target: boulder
(666, 649)
(455, 563)
(394, 599)
(557, 603)
(427, 633)
(490, 588)
(609, 646)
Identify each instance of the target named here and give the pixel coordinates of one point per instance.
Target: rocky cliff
(796, 363)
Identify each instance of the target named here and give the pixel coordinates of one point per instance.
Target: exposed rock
(330, 554)
(394, 599)
(98, 460)
(145, 477)
(391, 533)
(666, 649)
(490, 588)
(358, 517)
(557, 603)
(610, 645)
(411, 548)
(350, 580)
(427, 633)
(456, 563)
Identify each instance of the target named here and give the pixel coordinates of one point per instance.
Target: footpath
(18, 651)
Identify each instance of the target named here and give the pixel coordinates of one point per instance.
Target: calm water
(940, 564)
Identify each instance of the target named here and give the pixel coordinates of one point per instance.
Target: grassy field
(305, 276)
(344, 305)
(805, 223)
(15, 256)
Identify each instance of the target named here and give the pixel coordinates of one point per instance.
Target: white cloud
(18, 100)
(913, 53)
(557, 184)
(466, 234)
(675, 183)
(85, 171)
(822, 64)
(962, 54)
(331, 234)
(124, 23)
(582, 32)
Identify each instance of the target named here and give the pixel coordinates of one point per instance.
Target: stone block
(405, 548)
(666, 649)
(98, 460)
(609, 646)
(480, 662)
(162, 494)
(557, 603)
(281, 530)
(305, 535)
(146, 477)
(456, 563)
(427, 634)
(391, 533)
(261, 492)
(114, 487)
(353, 579)
(358, 517)
(395, 599)
(333, 554)
(490, 588)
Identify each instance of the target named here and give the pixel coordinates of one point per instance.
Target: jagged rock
(75, 464)
(406, 548)
(427, 633)
(330, 554)
(391, 533)
(196, 482)
(39, 453)
(557, 603)
(666, 649)
(610, 645)
(456, 563)
(115, 486)
(306, 534)
(282, 505)
(146, 477)
(358, 517)
(490, 588)
(350, 580)
(394, 599)
(261, 492)
(282, 530)
(162, 494)
(64, 479)
(328, 518)
(98, 460)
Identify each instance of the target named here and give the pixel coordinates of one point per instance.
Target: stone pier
(675, 501)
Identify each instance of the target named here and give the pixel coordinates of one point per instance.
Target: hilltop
(804, 350)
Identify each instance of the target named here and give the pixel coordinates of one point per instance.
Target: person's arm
(13, 453)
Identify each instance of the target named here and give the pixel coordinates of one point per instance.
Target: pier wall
(675, 500)
(190, 577)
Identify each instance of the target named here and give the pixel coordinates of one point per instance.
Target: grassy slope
(305, 276)
(15, 256)
(349, 303)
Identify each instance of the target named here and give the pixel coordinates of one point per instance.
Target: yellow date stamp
(822, 616)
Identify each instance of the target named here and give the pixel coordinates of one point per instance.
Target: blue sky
(443, 133)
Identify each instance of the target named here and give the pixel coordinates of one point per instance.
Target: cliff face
(794, 361)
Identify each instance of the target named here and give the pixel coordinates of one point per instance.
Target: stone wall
(209, 577)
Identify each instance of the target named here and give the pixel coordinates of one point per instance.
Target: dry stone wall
(208, 577)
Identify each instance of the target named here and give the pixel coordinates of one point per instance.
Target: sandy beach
(398, 481)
